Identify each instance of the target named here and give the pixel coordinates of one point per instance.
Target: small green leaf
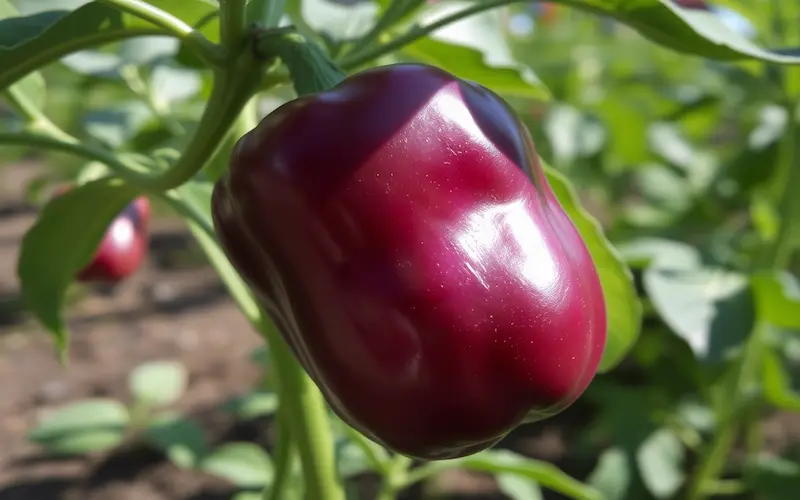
(253, 405)
(487, 59)
(470, 64)
(660, 460)
(659, 252)
(245, 465)
(773, 478)
(117, 124)
(83, 427)
(612, 475)
(158, 383)
(61, 242)
(778, 389)
(711, 309)
(624, 311)
(518, 488)
(777, 299)
(180, 439)
(545, 474)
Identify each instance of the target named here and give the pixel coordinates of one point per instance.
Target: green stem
(232, 89)
(396, 11)
(204, 48)
(285, 452)
(247, 121)
(127, 169)
(376, 455)
(232, 16)
(310, 68)
(36, 119)
(394, 478)
(309, 424)
(308, 418)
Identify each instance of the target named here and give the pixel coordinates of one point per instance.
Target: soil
(173, 309)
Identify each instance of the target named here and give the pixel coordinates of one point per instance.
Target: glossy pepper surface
(124, 245)
(415, 259)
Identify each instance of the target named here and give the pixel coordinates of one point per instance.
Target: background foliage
(676, 129)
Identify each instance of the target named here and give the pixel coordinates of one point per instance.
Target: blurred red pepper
(424, 273)
(124, 246)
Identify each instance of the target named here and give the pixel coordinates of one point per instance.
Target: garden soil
(173, 309)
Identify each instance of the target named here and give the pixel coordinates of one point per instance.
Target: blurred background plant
(689, 164)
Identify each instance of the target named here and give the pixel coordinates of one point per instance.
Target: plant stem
(129, 170)
(308, 418)
(285, 451)
(36, 119)
(376, 455)
(232, 89)
(204, 48)
(232, 16)
(396, 11)
(309, 424)
(394, 477)
(247, 120)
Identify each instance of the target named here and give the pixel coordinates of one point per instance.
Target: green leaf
(777, 384)
(31, 42)
(660, 460)
(711, 309)
(777, 297)
(470, 64)
(180, 439)
(158, 383)
(33, 85)
(518, 488)
(253, 405)
(61, 242)
(245, 465)
(486, 60)
(612, 475)
(690, 31)
(659, 252)
(773, 478)
(543, 473)
(117, 124)
(336, 19)
(624, 311)
(572, 134)
(82, 427)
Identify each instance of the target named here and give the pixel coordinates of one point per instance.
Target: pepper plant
(270, 211)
